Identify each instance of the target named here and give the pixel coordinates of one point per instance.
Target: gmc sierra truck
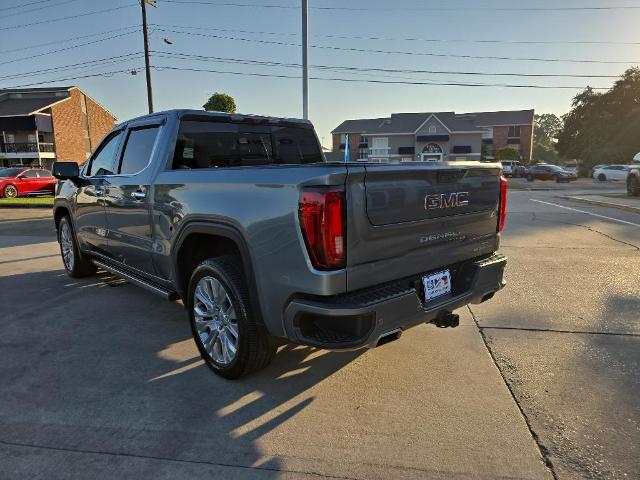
(265, 242)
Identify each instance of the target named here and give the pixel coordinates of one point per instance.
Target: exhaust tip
(389, 337)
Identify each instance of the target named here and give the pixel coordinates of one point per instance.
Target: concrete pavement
(566, 332)
(101, 380)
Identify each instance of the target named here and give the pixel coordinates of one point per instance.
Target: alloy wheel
(216, 320)
(10, 191)
(66, 245)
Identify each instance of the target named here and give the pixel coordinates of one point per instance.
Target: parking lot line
(587, 213)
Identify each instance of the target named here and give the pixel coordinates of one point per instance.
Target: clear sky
(195, 29)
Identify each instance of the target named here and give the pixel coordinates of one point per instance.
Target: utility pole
(147, 66)
(305, 59)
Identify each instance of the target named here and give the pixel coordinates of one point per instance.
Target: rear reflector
(322, 218)
(503, 204)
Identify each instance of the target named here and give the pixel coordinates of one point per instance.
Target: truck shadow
(113, 369)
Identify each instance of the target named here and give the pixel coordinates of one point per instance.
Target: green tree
(603, 127)
(507, 153)
(220, 102)
(545, 134)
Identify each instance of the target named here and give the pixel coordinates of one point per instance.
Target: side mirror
(66, 170)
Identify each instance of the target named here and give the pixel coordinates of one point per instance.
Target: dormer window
(432, 129)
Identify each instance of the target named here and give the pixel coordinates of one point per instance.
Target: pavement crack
(591, 229)
(544, 451)
(169, 459)
(553, 330)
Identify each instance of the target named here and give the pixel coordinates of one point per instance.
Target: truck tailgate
(411, 219)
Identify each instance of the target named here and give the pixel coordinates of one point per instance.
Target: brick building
(438, 136)
(41, 125)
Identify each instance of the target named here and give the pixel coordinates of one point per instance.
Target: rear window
(222, 145)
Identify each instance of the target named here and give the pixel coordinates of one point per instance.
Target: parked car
(611, 172)
(571, 167)
(512, 168)
(266, 243)
(544, 171)
(633, 180)
(19, 181)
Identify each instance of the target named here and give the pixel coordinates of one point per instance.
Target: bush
(507, 153)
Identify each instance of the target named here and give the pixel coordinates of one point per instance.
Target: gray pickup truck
(265, 242)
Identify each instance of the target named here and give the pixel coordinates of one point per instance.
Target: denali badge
(446, 200)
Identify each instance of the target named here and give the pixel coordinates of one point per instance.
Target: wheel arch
(199, 240)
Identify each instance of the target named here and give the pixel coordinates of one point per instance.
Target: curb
(25, 205)
(619, 206)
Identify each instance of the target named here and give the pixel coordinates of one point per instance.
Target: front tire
(10, 191)
(224, 327)
(602, 177)
(633, 186)
(75, 265)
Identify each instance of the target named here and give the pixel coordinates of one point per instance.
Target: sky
(425, 35)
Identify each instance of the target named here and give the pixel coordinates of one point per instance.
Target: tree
(545, 134)
(507, 153)
(603, 127)
(220, 102)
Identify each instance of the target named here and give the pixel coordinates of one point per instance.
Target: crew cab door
(128, 199)
(90, 219)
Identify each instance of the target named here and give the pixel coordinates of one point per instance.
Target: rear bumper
(361, 319)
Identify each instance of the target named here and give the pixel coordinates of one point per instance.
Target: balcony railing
(27, 147)
(379, 152)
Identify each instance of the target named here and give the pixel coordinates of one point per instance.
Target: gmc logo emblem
(446, 200)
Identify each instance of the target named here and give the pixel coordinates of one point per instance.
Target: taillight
(503, 204)
(322, 218)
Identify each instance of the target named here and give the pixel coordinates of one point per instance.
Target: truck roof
(232, 117)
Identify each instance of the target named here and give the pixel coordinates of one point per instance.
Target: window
(30, 174)
(44, 174)
(219, 145)
(103, 162)
(137, 150)
(514, 131)
(432, 129)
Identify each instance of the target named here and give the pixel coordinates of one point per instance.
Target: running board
(166, 294)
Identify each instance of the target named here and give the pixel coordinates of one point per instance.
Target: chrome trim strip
(166, 294)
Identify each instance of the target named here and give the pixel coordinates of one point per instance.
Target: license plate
(436, 285)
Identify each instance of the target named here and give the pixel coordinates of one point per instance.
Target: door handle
(138, 195)
(100, 191)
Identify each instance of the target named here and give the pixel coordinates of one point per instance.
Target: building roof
(409, 123)
(25, 101)
(15, 102)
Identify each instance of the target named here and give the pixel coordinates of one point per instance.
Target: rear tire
(223, 324)
(602, 177)
(10, 191)
(75, 265)
(633, 186)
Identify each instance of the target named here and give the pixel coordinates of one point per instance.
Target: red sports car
(17, 181)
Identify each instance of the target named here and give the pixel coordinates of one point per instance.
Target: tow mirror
(66, 170)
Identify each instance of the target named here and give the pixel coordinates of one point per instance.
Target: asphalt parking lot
(100, 379)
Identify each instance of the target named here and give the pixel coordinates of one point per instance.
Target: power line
(405, 8)
(187, 56)
(401, 52)
(59, 19)
(102, 74)
(54, 42)
(37, 9)
(71, 47)
(395, 82)
(24, 5)
(72, 66)
(411, 39)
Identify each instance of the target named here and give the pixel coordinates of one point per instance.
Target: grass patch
(622, 195)
(519, 186)
(27, 201)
